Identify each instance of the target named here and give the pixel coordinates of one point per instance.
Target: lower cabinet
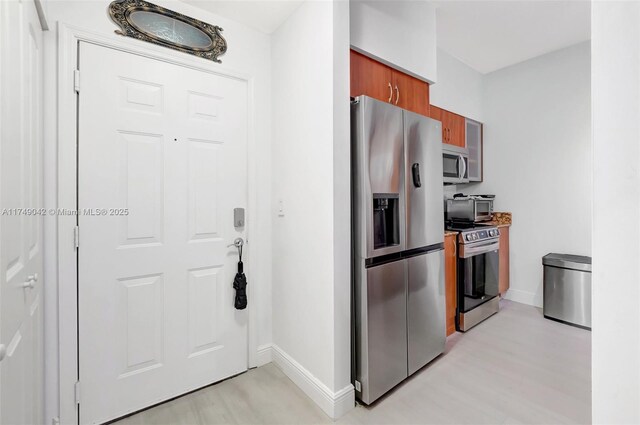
(503, 264)
(450, 281)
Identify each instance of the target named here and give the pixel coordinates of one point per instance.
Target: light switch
(280, 208)
(238, 217)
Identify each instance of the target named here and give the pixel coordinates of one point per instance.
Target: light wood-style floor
(515, 368)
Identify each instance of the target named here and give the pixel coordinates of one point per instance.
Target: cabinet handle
(448, 134)
(390, 93)
(397, 95)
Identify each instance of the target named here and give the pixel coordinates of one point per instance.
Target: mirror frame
(120, 10)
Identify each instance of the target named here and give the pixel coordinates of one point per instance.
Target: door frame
(69, 37)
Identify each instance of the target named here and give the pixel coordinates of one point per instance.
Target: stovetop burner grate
(461, 226)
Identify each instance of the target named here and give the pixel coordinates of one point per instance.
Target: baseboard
(264, 355)
(334, 404)
(523, 297)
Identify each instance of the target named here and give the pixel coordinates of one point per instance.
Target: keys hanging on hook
(238, 243)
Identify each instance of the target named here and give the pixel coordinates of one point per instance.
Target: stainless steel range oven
(478, 274)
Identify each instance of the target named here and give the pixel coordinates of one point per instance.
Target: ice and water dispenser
(386, 223)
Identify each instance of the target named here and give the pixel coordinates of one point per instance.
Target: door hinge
(77, 391)
(76, 80)
(76, 237)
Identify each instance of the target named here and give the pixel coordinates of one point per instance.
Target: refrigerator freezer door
(425, 309)
(424, 205)
(381, 334)
(378, 172)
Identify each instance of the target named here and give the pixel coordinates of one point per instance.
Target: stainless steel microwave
(455, 162)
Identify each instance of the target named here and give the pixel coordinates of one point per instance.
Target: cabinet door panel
(450, 282)
(454, 128)
(457, 130)
(436, 114)
(446, 126)
(503, 280)
(370, 78)
(410, 93)
(473, 136)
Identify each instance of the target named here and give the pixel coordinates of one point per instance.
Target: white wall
(249, 53)
(399, 33)
(616, 212)
(537, 160)
(311, 276)
(459, 88)
(342, 202)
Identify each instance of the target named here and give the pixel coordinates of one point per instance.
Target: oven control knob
(491, 233)
(475, 236)
(468, 237)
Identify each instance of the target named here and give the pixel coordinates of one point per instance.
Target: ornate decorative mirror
(155, 24)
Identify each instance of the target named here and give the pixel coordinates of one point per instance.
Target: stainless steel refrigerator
(398, 244)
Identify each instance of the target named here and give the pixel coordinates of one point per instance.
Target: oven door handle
(470, 251)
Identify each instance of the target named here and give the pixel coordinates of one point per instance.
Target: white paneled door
(21, 295)
(162, 154)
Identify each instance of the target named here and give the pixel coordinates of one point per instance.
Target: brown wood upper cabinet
(371, 78)
(374, 79)
(411, 94)
(453, 126)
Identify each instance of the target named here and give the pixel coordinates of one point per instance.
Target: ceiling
(486, 35)
(263, 15)
(489, 35)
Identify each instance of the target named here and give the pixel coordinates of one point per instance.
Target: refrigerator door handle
(415, 171)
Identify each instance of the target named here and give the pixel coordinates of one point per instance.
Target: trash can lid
(568, 261)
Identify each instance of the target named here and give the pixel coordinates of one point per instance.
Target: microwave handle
(464, 167)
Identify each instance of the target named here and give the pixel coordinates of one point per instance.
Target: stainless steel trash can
(567, 289)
